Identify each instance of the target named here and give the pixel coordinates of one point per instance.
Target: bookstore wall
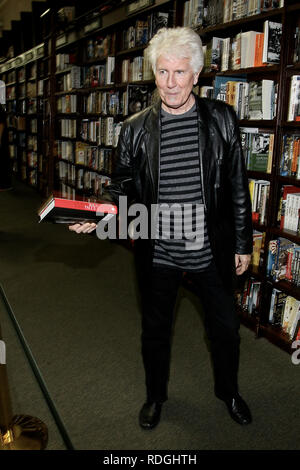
(68, 97)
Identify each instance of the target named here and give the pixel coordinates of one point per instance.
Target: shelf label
(138, 5)
(40, 51)
(61, 40)
(93, 25)
(29, 56)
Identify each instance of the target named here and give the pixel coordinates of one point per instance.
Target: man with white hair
(185, 151)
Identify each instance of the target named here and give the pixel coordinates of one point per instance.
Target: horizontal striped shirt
(181, 233)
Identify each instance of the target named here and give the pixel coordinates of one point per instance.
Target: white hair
(181, 42)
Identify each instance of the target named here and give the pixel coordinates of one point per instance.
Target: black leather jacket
(222, 169)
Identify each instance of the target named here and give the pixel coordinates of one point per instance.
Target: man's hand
(86, 227)
(241, 263)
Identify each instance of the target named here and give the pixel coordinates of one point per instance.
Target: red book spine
(288, 273)
(86, 206)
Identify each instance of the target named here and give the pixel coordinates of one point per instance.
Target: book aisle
(71, 74)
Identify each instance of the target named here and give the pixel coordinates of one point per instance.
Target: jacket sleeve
(237, 174)
(122, 177)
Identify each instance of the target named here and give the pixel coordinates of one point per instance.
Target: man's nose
(171, 83)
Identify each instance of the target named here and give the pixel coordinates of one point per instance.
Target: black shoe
(150, 415)
(238, 410)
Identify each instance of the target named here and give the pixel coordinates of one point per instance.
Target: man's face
(175, 79)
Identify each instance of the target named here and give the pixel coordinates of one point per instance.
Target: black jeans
(221, 323)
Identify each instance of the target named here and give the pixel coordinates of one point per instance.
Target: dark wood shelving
(240, 22)
(132, 50)
(260, 175)
(289, 180)
(276, 336)
(138, 82)
(248, 71)
(289, 234)
(257, 123)
(288, 288)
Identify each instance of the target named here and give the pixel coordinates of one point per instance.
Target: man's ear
(196, 76)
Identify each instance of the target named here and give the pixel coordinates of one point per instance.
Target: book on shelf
(258, 247)
(261, 104)
(259, 194)
(257, 148)
(157, 21)
(277, 304)
(291, 214)
(294, 99)
(249, 297)
(291, 316)
(285, 190)
(290, 156)
(283, 260)
(272, 42)
(58, 209)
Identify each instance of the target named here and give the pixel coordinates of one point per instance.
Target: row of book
(102, 102)
(32, 159)
(89, 76)
(290, 156)
(288, 215)
(99, 75)
(100, 47)
(93, 158)
(64, 61)
(66, 104)
(69, 81)
(136, 69)
(246, 49)
(113, 103)
(103, 131)
(294, 99)
(32, 142)
(257, 149)
(296, 53)
(285, 312)
(81, 179)
(258, 248)
(259, 193)
(249, 296)
(283, 260)
(211, 12)
(68, 128)
(253, 100)
(142, 31)
(33, 125)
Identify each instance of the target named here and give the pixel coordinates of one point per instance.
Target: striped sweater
(181, 235)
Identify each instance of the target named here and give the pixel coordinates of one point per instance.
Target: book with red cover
(285, 191)
(62, 210)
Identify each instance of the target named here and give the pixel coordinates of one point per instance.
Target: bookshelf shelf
(241, 21)
(276, 336)
(289, 180)
(289, 234)
(251, 70)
